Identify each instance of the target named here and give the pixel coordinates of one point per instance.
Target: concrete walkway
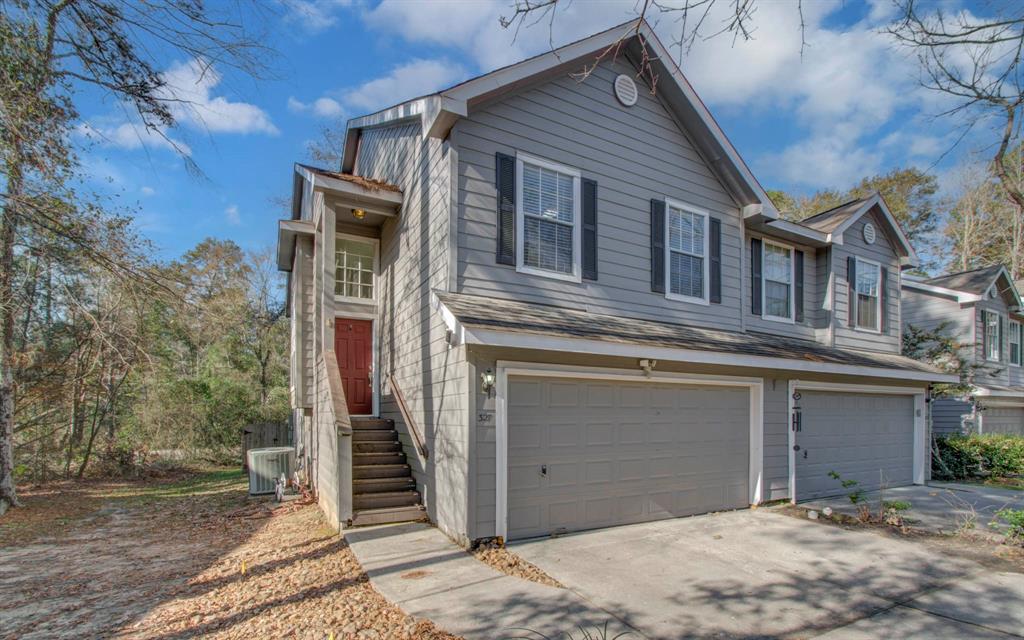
(418, 568)
(941, 507)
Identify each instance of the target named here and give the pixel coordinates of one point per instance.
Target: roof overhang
(463, 334)
(288, 232)
(792, 231)
(439, 112)
(961, 297)
(999, 397)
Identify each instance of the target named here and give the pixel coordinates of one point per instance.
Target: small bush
(1015, 520)
(994, 454)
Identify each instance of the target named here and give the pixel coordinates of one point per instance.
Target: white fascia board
(998, 393)
(813, 235)
(960, 296)
(497, 338)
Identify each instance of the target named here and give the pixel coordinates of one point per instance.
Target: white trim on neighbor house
(705, 259)
(958, 296)
(371, 315)
(577, 224)
(878, 299)
(765, 241)
(342, 299)
(920, 423)
(505, 369)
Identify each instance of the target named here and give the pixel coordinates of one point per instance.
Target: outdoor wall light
(487, 381)
(358, 214)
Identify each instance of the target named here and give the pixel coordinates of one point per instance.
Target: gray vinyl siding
(812, 294)
(303, 322)
(928, 311)
(412, 345)
(948, 415)
(634, 154)
(776, 439)
(881, 252)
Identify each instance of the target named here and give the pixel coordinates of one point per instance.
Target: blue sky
(849, 107)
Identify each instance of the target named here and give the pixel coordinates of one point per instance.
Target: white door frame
(920, 426)
(374, 348)
(507, 368)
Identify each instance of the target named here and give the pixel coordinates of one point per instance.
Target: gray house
(982, 310)
(527, 304)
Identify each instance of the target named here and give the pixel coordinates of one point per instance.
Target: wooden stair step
(373, 424)
(388, 457)
(388, 515)
(370, 435)
(376, 446)
(385, 500)
(382, 485)
(381, 471)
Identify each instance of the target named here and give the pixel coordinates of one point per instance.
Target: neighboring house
(982, 310)
(580, 299)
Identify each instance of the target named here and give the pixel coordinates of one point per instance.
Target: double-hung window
(687, 251)
(869, 295)
(354, 268)
(548, 219)
(993, 339)
(1016, 338)
(778, 281)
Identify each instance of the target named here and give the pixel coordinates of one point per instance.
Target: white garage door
(584, 454)
(1003, 420)
(864, 437)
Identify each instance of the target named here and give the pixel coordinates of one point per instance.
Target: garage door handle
(544, 470)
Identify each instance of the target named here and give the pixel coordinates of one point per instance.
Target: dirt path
(167, 562)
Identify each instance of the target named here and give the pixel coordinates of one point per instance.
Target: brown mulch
(202, 562)
(503, 560)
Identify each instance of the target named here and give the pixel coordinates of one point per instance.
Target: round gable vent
(869, 233)
(625, 90)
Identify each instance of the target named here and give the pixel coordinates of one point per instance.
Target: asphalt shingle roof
(828, 221)
(522, 317)
(974, 281)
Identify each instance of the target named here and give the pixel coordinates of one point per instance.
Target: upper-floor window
(869, 299)
(548, 219)
(687, 251)
(354, 262)
(993, 336)
(1016, 339)
(778, 281)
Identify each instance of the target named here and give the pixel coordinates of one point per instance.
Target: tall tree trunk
(8, 493)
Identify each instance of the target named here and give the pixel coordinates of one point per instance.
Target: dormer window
(869, 299)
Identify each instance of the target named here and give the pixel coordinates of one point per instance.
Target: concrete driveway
(759, 573)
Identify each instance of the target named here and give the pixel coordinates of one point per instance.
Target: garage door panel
(637, 455)
(1003, 420)
(864, 437)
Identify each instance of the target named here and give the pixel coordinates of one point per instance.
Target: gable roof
(829, 220)
(977, 281)
(438, 112)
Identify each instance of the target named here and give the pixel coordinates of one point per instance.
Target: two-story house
(981, 309)
(532, 304)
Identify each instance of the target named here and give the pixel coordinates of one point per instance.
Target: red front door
(353, 345)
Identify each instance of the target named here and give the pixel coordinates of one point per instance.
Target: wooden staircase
(383, 489)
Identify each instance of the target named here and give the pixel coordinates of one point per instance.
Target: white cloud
(323, 107)
(130, 136)
(147, 191)
(191, 86)
(232, 215)
(314, 15)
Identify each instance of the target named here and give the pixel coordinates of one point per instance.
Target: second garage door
(863, 437)
(585, 454)
(1003, 420)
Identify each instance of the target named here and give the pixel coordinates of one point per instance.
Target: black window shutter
(984, 333)
(851, 299)
(715, 249)
(658, 246)
(589, 188)
(885, 300)
(755, 276)
(505, 185)
(798, 287)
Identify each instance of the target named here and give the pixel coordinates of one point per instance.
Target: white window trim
(376, 268)
(706, 270)
(577, 220)
(856, 298)
(792, 283)
(998, 338)
(1015, 330)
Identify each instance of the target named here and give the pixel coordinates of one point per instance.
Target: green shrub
(965, 456)
(1014, 519)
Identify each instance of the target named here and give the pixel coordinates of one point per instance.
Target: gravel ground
(510, 564)
(204, 562)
